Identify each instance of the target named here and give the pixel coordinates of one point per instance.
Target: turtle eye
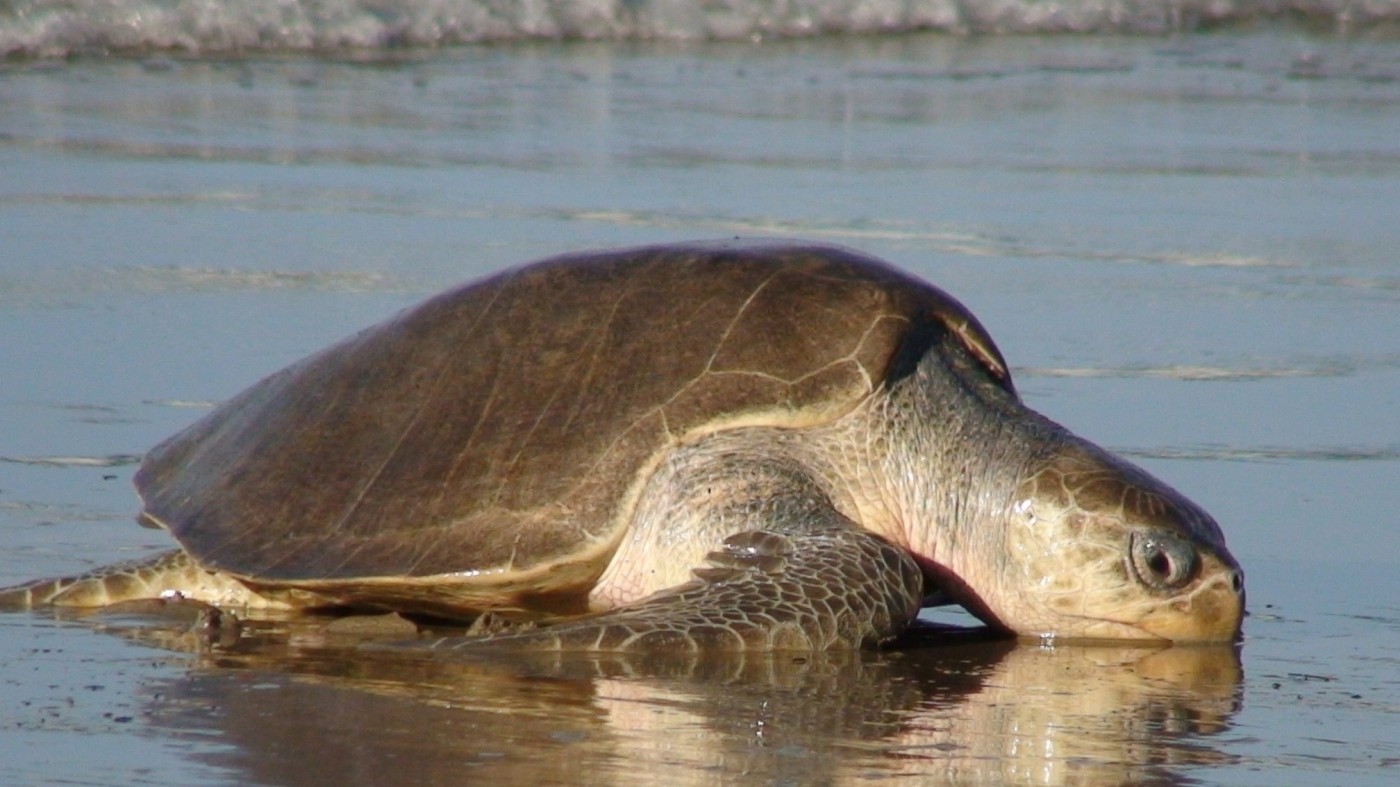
(1161, 561)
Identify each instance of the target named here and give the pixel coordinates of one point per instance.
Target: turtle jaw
(1210, 610)
(1098, 549)
(1210, 613)
(1066, 573)
(1097, 601)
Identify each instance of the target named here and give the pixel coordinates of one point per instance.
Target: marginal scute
(961, 324)
(490, 442)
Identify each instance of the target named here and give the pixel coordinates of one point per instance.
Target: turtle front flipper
(820, 583)
(172, 573)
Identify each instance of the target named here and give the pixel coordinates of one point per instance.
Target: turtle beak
(1211, 609)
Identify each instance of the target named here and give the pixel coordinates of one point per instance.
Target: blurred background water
(1183, 240)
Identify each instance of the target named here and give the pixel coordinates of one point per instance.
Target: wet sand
(1185, 248)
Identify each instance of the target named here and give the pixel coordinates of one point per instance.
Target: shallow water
(1185, 247)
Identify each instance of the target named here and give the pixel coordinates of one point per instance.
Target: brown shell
(505, 426)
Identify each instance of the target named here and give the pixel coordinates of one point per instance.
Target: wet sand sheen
(946, 705)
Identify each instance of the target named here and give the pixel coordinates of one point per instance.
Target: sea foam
(57, 28)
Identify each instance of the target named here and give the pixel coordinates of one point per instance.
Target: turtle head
(1097, 548)
(1034, 529)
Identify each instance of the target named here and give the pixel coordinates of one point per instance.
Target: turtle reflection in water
(748, 446)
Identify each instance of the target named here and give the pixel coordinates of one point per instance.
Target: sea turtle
(738, 445)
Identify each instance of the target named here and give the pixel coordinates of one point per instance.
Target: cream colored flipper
(170, 574)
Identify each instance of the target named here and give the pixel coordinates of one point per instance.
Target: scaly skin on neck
(933, 466)
(1028, 526)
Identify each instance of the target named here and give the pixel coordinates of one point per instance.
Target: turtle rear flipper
(171, 573)
(814, 582)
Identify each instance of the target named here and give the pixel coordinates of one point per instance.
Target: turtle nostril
(1237, 581)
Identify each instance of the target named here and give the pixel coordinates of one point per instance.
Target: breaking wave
(56, 28)
(113, 460)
